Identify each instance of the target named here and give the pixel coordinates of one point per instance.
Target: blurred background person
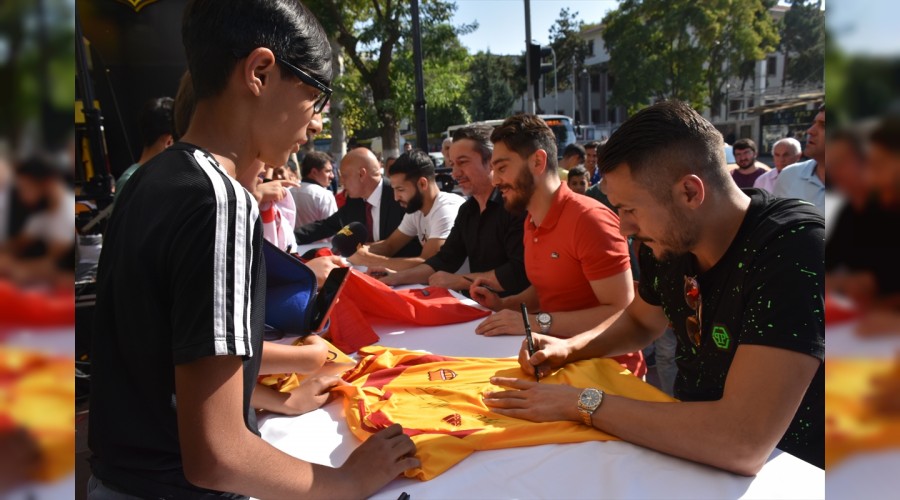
(785, 152)
(46, 245)
(312, 198)
(157, 133)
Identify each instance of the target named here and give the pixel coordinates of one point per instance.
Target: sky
(502, 22)
(866, 27)
(859, 26)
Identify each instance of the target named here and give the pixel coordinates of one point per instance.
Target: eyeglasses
(325, 91)
(694, 323)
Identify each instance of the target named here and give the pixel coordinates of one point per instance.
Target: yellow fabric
(851, 425)
(37, 392)
(438, 401)
(286, 382)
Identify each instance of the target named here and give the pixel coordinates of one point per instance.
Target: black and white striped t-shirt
(180, 278)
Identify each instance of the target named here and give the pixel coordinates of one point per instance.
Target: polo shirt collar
(560, 197)
(809, 173)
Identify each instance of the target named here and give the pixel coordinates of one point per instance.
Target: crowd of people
(647, 238)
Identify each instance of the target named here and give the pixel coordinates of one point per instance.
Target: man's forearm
(414, 275)
(619, 334)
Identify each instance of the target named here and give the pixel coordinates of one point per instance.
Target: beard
(747, 164)
(415, 203)
(520, 192)
(680, 238)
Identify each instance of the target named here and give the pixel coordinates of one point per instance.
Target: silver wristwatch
(544, 320)
(588, 402)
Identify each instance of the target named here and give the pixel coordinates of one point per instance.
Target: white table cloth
(580, 470)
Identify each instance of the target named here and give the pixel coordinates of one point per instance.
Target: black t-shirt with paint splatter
(766, 290)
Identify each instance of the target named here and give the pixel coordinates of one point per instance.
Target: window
(772, 66)
(734, 105)
(595, 82)
(590, 48)
(595, 116)
(612, 116)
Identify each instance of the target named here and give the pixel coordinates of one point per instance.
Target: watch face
(590, 399)
(543, 318)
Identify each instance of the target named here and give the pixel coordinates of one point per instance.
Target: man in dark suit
(370, 201)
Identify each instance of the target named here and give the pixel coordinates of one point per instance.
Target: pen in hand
(529, 342)
(470, 280)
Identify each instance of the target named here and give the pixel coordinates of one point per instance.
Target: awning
(772, 107)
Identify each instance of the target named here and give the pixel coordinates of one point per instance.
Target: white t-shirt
(313, 202)
(438, 222)
(56, 226)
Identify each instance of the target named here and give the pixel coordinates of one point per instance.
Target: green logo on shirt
(721, 337)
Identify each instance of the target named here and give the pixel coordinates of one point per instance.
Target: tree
(37, 68)
(490, 94)
(681, 49)
(375, 37)
(570, 48)
(803, 42)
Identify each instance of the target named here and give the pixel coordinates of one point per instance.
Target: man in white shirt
(312, 198)
(784, 152)
(805, 180)
(47, 238)
(430, 214)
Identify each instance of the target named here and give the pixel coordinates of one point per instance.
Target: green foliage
(380, 82)
(571, 49)
(36, 77)
(803, 39)
(682, 49)
(490, 93)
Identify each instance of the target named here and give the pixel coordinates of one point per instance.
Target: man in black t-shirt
(484, 231)
(177, 343)
(740, 276)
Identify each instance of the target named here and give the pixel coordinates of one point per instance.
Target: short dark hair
(217, 34)
(591, 145)
(40, 167)
(481, 136)
(526, 133)
(887, 134)
(744, 144)
(156, 120)
(664, 142)
(575, 149)
(314, 160)
(413, 165)
(578, 171)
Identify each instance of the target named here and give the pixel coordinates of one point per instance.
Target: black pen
(470, 280)
(403, 496)
(528, 340)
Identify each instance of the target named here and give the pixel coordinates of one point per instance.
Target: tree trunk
(338, 134)
(390, 130)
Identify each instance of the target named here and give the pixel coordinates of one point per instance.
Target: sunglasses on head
(693, 323)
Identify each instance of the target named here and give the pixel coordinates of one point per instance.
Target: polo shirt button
(535, 240)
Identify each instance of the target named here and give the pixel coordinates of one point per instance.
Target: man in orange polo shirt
(575, 258)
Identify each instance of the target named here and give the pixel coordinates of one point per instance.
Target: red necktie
(369, 224)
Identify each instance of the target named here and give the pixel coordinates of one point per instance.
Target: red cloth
(838, 310)
(364, 298)
(25, 308)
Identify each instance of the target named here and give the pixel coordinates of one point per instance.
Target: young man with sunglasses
(740, 276)
(178, 331)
